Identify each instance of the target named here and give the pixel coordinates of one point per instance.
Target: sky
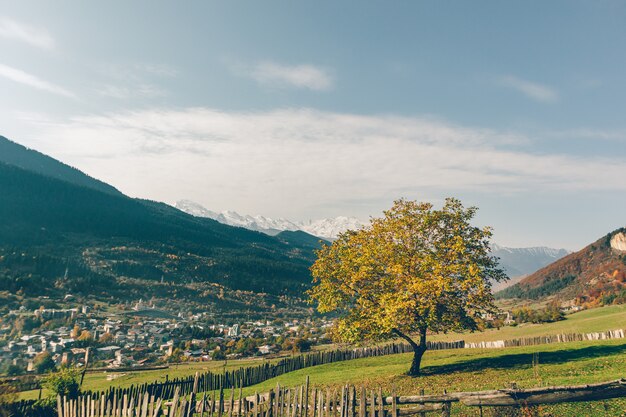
(305, 110)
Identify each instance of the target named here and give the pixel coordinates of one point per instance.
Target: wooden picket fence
(307, 401)
(248, 376)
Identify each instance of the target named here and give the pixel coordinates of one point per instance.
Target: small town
(143, 337)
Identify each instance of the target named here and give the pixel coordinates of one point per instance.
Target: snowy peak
(331, 228)
(523, 261)
(195, 209)
(516, 262)
(324, 228)
(536, 251)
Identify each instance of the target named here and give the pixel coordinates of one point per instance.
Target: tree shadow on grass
(521, 360)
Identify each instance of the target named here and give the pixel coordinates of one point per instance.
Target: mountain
(12, 153)
(516, 262)
(524, 261)
(594, 275)
(301, 239)
(520, 262)
(55, 219)
(331, 228)
(232, 218)
(327, 229)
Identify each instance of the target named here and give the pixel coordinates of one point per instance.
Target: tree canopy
(416, 270)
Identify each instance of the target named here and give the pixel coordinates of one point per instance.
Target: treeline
(534, 293)
(551, 313)
(34, 273)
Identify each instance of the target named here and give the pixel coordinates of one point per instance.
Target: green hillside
(12, 153)
(47, 224)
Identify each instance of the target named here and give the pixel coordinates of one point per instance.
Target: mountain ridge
(108, 240)
(516, 262)
(328, 228)
(12, 153)
(594, 275)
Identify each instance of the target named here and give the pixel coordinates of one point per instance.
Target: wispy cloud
(298, 76)
(614, 135)
(135, 72)
(31, 35)
(138, 91)
(535, 91)
(31, 80)
(256, 161)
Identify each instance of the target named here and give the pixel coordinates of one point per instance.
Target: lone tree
(416, 270)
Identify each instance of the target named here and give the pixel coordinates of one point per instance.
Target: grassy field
(587, 321)
(456, 370)
(99, 381)
(472, 370)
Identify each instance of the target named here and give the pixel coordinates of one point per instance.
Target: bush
(44, 363)
(14, 370)
(218, 355)
(65, 383)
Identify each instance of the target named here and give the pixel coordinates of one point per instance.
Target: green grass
(97, 381)
(587, 321)
(476, 370)
(457, 370)
(472, 369)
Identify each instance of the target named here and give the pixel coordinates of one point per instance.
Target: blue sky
(315, 109)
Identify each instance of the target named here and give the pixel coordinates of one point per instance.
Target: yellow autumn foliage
(416, 270)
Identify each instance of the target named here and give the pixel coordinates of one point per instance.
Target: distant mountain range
(55, 218)
(516, 262)
(327, 229)
(519, 262)
(594, 275)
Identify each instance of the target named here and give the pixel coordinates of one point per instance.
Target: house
(266, 349)
(107, 351)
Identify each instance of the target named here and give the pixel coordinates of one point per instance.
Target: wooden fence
(542, 340)
(245, 377)
(347, 401)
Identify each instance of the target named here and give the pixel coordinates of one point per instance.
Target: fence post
(445, 410)
(306, 398)
(362, 402)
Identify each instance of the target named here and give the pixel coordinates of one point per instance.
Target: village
(142, 337)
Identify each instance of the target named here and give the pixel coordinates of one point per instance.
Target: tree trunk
(418, 350)
(417, 360)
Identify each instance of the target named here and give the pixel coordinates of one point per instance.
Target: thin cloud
(535, 91)
(255, 161)
(297, 76)
(31, 80)
(136, 72)
(139, 91)
(31, 35)
(618, 135)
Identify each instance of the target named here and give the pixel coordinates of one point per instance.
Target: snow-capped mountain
(195, 209)
(516, 262)
(520, 262)
(323, 228)
(331, 228)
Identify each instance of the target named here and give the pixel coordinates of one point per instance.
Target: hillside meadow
(480, 369)
(586, 321)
